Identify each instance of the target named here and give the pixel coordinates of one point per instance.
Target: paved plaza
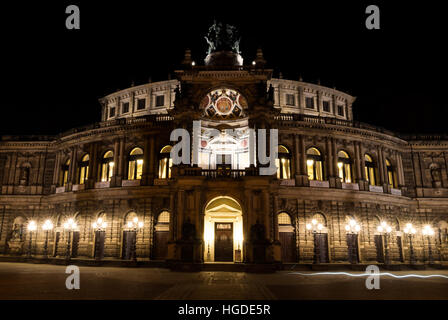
(39, 281)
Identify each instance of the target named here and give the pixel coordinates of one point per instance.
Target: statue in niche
(436, 175)
(257, 232)
(188, 230)
(15, 242)
(17, 232)
(24, 176)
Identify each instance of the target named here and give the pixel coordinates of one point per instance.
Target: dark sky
(53, 77)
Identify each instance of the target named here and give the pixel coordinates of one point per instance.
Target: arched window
(283, 163)
(135, 164)
(164, 217)
(165, 163)
(284, 219)
(64, 172)
(84, 169)
(370, 170)
(314, 164)
(344, 167)
(391, 174)
(107, 166)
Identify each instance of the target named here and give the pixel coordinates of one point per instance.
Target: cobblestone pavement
(37, 281)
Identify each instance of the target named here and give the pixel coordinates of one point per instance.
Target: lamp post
(314, 227)
(384, 229)
(47, 226)
(99, 226)
(410, 231)
(353, 229)
(428, 232)
(32, 226)
(70, 225)
(134, 226)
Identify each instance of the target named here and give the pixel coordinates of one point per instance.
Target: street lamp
(99, 227)
(134, 226)
(32, 226)
(428, 232)
(384, 229)
(314, 227)
(70, 226)
(410, 231)
(352, 229)
(47, 226)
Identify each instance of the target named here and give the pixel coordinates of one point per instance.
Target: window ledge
(102, 184)
(78, 187)
(288, 182)
(378, 189)
(350, 186)
(130, 183)
(160, 182)
(60, 189)
(319, 184)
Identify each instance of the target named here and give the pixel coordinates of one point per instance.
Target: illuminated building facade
(344, 191)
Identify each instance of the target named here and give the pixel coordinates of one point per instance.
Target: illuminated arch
(314, 164)
(165, 162)
(135, 164)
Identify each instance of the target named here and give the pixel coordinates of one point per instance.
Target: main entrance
(223, 231)
(223, 241)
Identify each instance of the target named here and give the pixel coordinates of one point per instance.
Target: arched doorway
(286, 237)
(161, 233)
(321, 254)
(223, 231)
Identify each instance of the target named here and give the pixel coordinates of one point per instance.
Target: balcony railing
(334, 121)
(222, 172)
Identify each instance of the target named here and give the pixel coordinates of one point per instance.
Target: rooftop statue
(222, 37)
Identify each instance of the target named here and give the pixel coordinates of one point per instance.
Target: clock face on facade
(223, 103)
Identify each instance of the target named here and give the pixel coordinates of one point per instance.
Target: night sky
(53, 77)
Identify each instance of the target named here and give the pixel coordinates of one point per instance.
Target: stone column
(301, 99)
(116, 156)
(297, 166)
(328, 156)
(146, 156)
(180, 212)
(57, 168)
(121, 160)
(335, 105)
(152, 160)
(267, 212)
(275, 219)
(400, 173)
(132, 102)
(72, 169)
(381, 170)
(334, 165)
(93, 165)
(363, 185)
(302, 177)
(319, 102)
(115, 181)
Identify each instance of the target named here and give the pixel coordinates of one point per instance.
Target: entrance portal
(223, 241)
(223, 231)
